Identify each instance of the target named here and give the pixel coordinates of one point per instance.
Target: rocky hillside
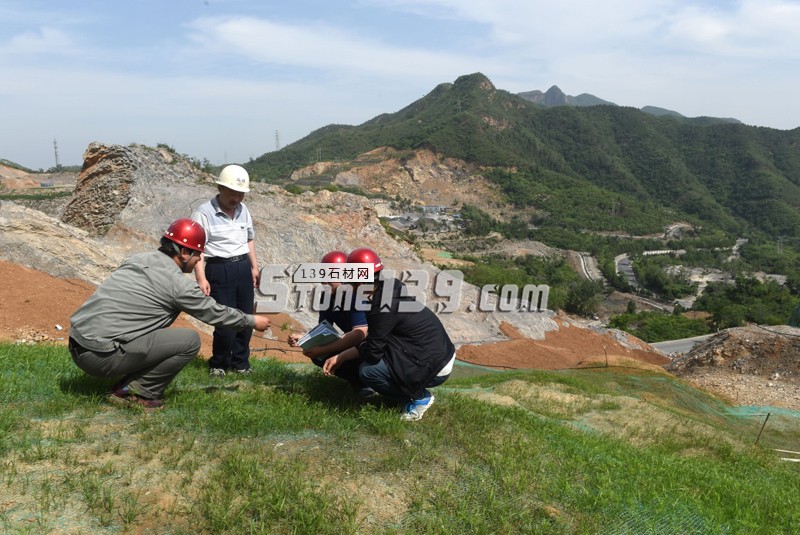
(751, 366)
(419, 175)
(126, 196)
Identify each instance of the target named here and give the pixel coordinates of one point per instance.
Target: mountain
(601, 168)
(555, 97)
(661, 112)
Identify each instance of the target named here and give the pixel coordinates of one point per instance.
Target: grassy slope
(613, 450)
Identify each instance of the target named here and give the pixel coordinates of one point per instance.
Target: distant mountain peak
(556, 97)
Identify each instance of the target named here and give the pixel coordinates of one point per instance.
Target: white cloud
(44, 41)
(318, 46)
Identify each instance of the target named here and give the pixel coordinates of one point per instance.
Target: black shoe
(367, 394)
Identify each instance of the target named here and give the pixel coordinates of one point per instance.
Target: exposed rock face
(419, 175)
(108, 180)
(31, 238)
(103, 189)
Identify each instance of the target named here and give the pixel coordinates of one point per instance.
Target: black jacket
(414, 343)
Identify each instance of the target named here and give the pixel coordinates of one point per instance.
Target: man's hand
(330, 365)
(293, 338)
(205, 287)
(262, 323)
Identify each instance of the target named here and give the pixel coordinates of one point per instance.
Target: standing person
(350, 320)
(121, 330)
(228, 271)
(406, 351)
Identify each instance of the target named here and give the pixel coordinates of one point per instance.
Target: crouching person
(406, 350)
(121, 330)
(351, 320)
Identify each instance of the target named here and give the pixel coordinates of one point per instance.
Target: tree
(583, 297)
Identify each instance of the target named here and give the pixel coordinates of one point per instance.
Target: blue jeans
(379, 378)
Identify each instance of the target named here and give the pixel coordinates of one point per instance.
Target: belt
(220, 260)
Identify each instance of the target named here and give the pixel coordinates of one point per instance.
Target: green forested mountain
(599, 168)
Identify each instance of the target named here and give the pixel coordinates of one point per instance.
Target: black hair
(169, 247)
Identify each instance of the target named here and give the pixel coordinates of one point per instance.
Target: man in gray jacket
(121, 330)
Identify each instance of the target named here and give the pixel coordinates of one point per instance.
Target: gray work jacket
(147, 292)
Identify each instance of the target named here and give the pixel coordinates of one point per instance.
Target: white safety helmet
(234, 177)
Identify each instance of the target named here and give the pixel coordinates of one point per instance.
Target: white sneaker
(216, 372)
(413, 410)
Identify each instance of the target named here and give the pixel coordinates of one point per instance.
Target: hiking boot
(246, 371)
(413, 410)
(134, 400)
(216, 372)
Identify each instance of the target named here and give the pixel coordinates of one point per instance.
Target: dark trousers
(231, 285)
(379, 378)
(148, 364)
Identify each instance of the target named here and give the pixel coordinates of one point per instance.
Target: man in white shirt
(228, 271)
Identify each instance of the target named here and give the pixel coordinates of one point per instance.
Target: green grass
(286, 450)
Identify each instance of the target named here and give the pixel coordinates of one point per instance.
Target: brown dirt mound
(567, 347)
(751, 365)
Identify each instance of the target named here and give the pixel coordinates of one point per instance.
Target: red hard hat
(364, 255)
(334, 257)
(187, 233)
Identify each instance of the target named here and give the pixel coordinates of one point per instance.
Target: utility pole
(277, 140)
(55, 149)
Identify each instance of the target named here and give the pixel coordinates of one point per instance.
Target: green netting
(656, 520)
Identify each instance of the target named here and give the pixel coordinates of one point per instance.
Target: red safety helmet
(187, 233)
(334, 257)
(363, 255)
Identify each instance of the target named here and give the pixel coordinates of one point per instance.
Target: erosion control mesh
(656, 520)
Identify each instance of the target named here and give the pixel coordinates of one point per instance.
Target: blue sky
(217, 79)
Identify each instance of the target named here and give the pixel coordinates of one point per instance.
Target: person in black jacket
(407, 349)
